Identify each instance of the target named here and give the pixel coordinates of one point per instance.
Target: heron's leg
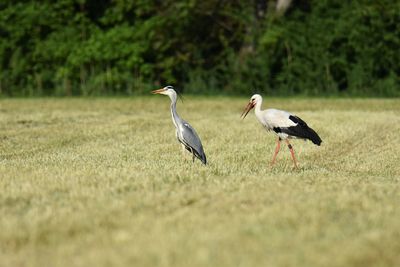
(292, 152)
(184, 153)
(183, 150)
(278, 147)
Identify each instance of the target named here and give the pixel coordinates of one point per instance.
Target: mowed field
(103, 182)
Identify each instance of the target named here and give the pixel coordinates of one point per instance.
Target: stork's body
(185, 133)
(284, 124)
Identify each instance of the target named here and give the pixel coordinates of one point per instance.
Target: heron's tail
(203, 159)
(201, 156)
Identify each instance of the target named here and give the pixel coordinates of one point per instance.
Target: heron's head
(253, 101)
(167, 90)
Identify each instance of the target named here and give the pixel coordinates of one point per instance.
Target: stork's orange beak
(247, 109)
(159, 91)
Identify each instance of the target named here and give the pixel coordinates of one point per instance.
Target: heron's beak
(249, 106)
(159, 91)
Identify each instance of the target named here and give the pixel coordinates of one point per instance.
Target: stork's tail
(313, 136)
(302, 130)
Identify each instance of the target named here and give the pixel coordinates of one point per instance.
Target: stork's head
(253, 101)
(167, 90)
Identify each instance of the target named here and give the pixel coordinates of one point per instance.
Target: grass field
(102, 182)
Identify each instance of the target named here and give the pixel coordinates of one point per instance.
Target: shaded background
(304, 47)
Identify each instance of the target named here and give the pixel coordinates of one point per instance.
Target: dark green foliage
(86, 47)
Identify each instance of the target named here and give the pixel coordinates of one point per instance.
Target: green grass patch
(102, 182)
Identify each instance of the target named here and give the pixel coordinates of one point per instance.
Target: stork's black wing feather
(301, 130)
(296, 119)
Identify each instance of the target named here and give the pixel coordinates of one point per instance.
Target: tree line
(112, 47)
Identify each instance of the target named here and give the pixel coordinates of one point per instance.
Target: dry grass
(101, 182)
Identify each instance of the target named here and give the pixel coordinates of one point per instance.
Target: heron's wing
(192, 140)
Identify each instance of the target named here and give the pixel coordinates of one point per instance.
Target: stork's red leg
(278, 146)
(292, 152)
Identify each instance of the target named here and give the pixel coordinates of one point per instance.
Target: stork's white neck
(257, 108)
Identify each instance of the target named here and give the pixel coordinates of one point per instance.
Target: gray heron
(185, 133)
(284, 124)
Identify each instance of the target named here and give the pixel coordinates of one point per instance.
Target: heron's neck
(174, 114)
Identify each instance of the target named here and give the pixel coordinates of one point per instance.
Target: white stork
(284, 124)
